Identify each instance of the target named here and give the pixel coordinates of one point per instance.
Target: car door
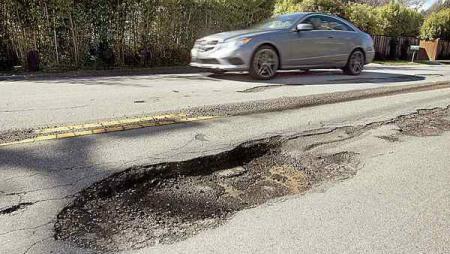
(342, 38)
(310, 48)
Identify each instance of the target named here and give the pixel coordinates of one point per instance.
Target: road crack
(15, 208)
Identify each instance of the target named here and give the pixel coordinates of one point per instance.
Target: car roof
(303, 14)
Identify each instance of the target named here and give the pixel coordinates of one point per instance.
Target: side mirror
(304, 27)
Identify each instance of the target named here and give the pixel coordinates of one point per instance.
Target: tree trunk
(55, 38)
(74, 41)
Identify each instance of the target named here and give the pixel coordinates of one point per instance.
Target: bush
(335, 7)
(365, 17)
(119, 30)
(7, 58)
(397, 20)
(437, 25)
(287, 6)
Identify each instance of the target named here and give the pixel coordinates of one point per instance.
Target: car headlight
(235, 43)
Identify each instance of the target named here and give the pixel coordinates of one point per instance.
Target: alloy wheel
(357, 62)
(265, 63)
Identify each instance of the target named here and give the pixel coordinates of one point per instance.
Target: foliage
(437, 6)
(392, 19)
(397, 20)
(365, 17)
(287, 6)
(437, 25)
(103, 33)
(335, 7)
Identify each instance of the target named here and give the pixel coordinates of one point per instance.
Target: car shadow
(322, 77)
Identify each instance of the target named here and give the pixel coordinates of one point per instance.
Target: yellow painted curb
(72, 131)
(43, 138)
(65, 135)
(25, 141)
(110, 123)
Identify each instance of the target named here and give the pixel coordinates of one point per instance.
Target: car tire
(355, 63)
(265, 63)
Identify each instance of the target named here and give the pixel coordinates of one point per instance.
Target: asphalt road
(397, 203)
(27, 104)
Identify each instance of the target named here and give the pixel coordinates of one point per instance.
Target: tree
(437, 25)
(437, 6)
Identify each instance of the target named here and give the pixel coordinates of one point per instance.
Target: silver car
(294, 41)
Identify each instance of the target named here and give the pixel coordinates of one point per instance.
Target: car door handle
(330, 37)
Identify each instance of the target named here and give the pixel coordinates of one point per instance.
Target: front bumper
(224, 67)
(222, 59)
(370, 56)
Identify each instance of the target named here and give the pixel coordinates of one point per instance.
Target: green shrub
(287, 6)
(335, 7)
(365, 17)
(397, 20)
(65, 31)
(437, 25)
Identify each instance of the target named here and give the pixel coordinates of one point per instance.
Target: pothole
(170, 202)
(425, 122)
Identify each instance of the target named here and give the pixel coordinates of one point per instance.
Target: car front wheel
(265, 63)
(355, 64)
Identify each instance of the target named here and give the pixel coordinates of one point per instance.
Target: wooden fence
(387, 47)
(443, 50)
(399, 48)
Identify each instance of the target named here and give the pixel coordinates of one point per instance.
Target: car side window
(315, 21)
(337, 25)
(327, 24)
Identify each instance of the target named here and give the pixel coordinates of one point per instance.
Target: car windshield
(279, 22)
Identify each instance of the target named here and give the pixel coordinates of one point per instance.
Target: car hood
(236, 34)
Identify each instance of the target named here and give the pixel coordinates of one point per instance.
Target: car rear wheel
(355, 64)
(265, 63)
